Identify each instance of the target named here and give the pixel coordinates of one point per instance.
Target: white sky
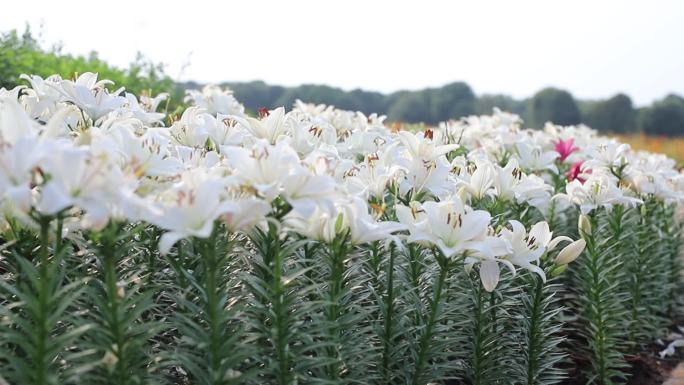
(592, 48)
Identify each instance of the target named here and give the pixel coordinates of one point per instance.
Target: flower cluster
(480, 192)
(77, 147)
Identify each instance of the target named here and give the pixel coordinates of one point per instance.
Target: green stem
(375, 262)
(426, 337)
(152, 258)
(415, 266)
(58, 237)
(675, 268)
(211, 308)
(552, 215)
(492, 311)
(41, 360)
(635, 288)
(479, 322)
(338, 252)
(280, 311)
(534, 333)
(113, 307)
(596, 309)
(389, 306)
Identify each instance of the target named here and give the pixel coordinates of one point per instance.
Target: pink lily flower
(564, 148)
(575, 171)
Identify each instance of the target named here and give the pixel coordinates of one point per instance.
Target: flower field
(321, 246)
(670, 146)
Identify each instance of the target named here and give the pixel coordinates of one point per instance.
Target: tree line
(616, 114)
(23, 53)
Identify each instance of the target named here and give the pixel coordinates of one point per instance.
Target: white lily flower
(15, 124)
(527, 248)
(305, 190)
(421, 148)
(270, 127)
(597, 191)
(481, 181)
(264, 167)
(145, 110)
(606, 155)
(426, 175)
(145, 155)
(91, 96)
(215, 101)
(511, 184)
(450, 225)
(191, 206)
(227, 131)
(16, 164)
(351, 216)
(193, 128)
(373, 176)
(531, 157)
(77, 178)
(40, 101)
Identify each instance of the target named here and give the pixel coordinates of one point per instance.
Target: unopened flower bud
(462, 194)
(557, 270)
(120, 291)
(109, 360)
(570, 252)
(339, 222)
(584, 225)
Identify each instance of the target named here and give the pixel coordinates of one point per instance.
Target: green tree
(411, 107)
(256, 94)
(369, 102)
(454, 100)
(314, 93)
(554, 105)
(484, 105)
(23, 54)
(616, 114)
(664, 117)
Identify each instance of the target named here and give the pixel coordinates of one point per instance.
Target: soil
(646, 368)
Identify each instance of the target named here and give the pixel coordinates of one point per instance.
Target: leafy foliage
(600, 296)
(24, 54)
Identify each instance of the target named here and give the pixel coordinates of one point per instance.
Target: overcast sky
(592, 48)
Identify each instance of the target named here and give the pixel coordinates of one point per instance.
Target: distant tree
(369, 102)
(313, 93)
(586, 107)
(23, 53)
(454, 100)
(256, 94)
(552, 104)
(410, 106)
(616, 114)
(484, 104)
(664, 117)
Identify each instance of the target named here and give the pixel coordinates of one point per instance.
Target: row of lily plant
(321, 245)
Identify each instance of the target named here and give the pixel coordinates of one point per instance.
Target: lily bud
(120, 291)
(462, 194)
(557, 270)
(584, 225)
(339, 222)
(109, 360)
(570, 252)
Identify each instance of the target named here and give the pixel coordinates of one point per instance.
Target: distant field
(672, 147)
